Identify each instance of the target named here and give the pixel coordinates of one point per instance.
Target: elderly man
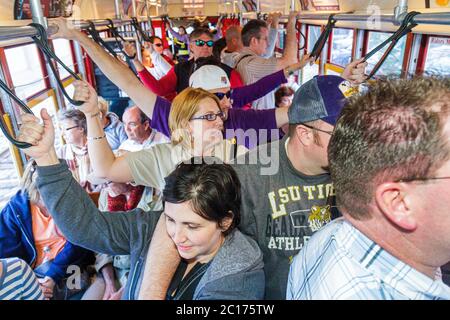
(390, 164)
(139, 132)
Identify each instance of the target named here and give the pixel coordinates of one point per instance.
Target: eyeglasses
(311, 127)
(201, 43)
(421, 179)
(220, 95)
(70, 128)
(158, 44)
(210, 116)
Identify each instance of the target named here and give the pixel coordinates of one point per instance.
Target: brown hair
(394, 132)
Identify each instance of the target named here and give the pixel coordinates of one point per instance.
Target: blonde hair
(184, 106)
(28, 182)
(103, 105)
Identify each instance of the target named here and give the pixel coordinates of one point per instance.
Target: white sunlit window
(64, 52)
(313, 35)
(438, 56)
(25, 69)
(341, 47)
(392, 66)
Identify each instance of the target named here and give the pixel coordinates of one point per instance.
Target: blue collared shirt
(339, 262)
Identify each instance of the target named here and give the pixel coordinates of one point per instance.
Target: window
(70, 89)
(313, 35)
(25, 69)
(308, 72)
(341, 47)
(392, 66)
(438, 56)
(64, 52)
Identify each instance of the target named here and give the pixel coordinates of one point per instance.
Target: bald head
(233, 38)
(137, 124)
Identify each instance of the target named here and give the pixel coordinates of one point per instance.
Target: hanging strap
(41, 41)
(118, 38)
(141, 35)
(406, 26)
(297, 26)
(3, 127)
(96, 37)
(320, 43)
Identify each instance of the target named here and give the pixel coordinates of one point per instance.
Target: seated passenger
(196, 124)
(74, 132)
(17, 281)
(201, 213)
(114, 130)
(390, 163)
(283, 99)
(28, 232)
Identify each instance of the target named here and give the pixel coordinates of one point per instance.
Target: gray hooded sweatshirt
(236, 271)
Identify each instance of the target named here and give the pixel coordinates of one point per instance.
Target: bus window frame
(406, 53)
(330, 47)
(425, 44)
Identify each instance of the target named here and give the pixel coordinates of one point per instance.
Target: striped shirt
(252, 68)
(18, 282)
(339, 262)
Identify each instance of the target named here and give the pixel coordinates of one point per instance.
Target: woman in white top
(196, 124)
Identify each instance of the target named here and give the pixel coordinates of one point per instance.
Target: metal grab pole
(36, 12)
(38, 17)
(117, 8)
(138, 44)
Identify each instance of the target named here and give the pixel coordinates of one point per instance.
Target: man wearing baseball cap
(285, 202)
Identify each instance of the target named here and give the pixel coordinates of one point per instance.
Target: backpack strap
(240, 59)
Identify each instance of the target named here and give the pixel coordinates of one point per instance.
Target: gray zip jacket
(235, 273)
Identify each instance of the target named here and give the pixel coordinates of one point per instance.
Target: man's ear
(393, 200)
(304, 135)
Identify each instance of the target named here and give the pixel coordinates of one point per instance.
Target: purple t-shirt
(262, 121)
(249, 93)
(250, 127)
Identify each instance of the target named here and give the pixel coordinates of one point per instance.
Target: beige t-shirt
(150, 166)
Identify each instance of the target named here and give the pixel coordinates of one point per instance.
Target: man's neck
(300, 159)
(143, 139)
(398, 244)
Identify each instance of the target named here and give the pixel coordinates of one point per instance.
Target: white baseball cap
(209, 77)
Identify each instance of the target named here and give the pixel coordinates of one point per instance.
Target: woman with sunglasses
(153, 59)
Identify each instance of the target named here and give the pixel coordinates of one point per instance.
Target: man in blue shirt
(390, 164)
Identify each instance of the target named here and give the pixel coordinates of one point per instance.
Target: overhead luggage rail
(438, 18)
(14, 32)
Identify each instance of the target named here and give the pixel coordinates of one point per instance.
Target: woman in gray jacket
(202, 210)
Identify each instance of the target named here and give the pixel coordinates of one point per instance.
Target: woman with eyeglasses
(196, 126)
(74, 151)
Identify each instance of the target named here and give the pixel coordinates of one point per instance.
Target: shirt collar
(390, 270)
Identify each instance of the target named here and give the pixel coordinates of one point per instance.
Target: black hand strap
(320, 43)
(406, 26)
(3, 127)
(118, 38)
(96, 37)
(141, 35)
(41, 41)
(297, 26)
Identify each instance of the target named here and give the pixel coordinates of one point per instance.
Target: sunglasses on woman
(158, 44)
(201, 43)
(220, 95)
